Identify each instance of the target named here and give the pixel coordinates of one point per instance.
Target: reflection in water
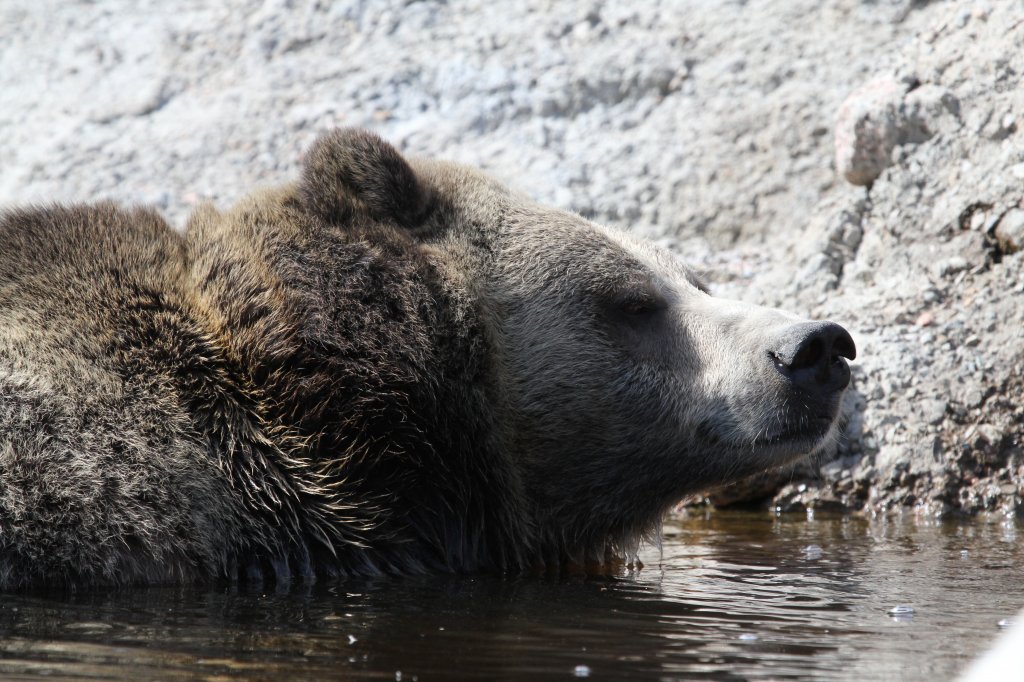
(730, 596)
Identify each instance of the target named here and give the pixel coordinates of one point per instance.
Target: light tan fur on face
(617, 418)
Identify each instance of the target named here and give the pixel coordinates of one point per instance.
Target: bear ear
(351, 171)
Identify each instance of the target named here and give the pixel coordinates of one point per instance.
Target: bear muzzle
(810, 358)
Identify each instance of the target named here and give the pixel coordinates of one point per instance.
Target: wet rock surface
(730, 131)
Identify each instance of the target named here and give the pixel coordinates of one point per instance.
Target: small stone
(867, 130)
(1009, 233)
(952, 266)
(978, 220)
(925, 319)
(990, 433)
(934, 411)
(927, 109)
(973, 397)
(978, 117)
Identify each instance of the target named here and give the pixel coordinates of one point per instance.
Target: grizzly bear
(389, 366)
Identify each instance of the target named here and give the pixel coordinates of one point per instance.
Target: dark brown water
(729, 597)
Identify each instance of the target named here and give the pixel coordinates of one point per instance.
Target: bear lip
(808, 431)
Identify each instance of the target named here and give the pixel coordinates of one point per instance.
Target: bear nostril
(810, 355)
(843, 346)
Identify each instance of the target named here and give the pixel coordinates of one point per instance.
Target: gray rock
(934, 411)
(868, 127)
(883, 114)
(1009, 232)
(929, 109)
(951, 266)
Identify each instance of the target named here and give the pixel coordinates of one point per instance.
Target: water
(729, 597)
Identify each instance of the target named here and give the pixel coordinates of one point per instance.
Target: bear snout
(811, 356)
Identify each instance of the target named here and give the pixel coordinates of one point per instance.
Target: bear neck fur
(354, 417)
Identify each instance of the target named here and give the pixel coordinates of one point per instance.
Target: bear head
(581, 380)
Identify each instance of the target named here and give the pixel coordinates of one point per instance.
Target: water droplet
(901, 612)
(581, 671)
(964, 554)
(812, 552)
(748, 637)
(352, 639)
(1005, 623)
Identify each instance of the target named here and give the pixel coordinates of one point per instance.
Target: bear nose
(811, 355)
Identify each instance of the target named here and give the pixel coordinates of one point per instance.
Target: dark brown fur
(302, 350)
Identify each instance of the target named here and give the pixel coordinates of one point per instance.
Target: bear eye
(639, 305)
(640, 302)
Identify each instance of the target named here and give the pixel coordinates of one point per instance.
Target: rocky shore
(853, 160)
(924, 261)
